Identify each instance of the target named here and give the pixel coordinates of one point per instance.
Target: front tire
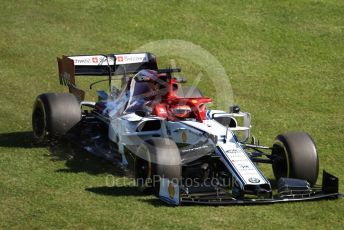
(54, 114)
(157, 158)
(294, 155)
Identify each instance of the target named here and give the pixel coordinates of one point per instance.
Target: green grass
(285, 62)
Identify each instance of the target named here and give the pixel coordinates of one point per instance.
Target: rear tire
(54, 114)
(295, 156)
(157, 158)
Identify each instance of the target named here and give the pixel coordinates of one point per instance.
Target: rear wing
(101, 65)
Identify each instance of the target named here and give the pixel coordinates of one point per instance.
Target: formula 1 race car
(163, 133)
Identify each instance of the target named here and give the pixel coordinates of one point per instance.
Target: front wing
(174, 194)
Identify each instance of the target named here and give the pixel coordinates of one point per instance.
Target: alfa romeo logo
(253, 180)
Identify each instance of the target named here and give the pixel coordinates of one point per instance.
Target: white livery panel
(234, 157)
(102, 60)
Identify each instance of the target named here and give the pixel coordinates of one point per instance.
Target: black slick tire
(54, 114)
(294, 155)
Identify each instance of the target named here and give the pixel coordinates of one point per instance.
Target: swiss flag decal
(119, 58)
(95, 60)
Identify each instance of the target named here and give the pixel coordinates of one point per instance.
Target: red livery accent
(173, 107)
(160, 110)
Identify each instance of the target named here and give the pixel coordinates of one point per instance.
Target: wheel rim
(143, 170)
(280, 164)
(38, 122)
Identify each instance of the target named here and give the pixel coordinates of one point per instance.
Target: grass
(285, 62)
